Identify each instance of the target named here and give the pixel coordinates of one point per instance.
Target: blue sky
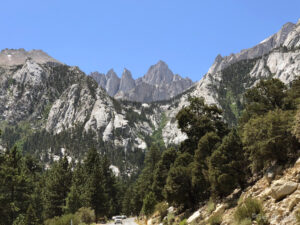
(104, 34)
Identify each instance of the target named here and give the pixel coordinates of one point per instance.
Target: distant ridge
(159, 83)
(10, 57)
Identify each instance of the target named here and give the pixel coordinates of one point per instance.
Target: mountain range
(51, 109)
(159, 83)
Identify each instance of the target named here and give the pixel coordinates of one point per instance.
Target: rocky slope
(229, 77)
(279, 197)
(159, 83)
(62, 111)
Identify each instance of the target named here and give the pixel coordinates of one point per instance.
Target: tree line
(30, 195)
(216, 159)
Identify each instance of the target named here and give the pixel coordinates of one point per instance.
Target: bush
(183, 222)
(86, 215)
(162, 209)
(63, 220)
(250, 209)
(215, 219)
(171, 218)
(297, 214)
(246, 222)
(210, 206)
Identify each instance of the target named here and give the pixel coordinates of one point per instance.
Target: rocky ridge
(227, 80)
(159, 83)
(68, 105)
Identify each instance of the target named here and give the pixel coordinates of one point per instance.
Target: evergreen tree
(14, 186)
(31, 218)
(57, 186)
(149, 203)
(268, 138)
(178, 187)
(227, 166)
(198, 119)
(200, 181)
(94, 189)
(265, 96)
(76, 198)
(161, 172)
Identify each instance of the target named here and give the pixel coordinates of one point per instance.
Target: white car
(124, 217)
(118, 221)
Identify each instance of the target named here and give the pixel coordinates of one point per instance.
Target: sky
(98, 35)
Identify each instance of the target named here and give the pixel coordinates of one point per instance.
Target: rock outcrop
(282, 188)
(159, 83)
(12, 57)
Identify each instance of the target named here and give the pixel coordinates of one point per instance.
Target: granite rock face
(159, 83)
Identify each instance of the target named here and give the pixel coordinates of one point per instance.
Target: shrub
(297, 214)
(171, 218)
(250, 209)
(86, 215)
(215, 219)
(162, 209)
(210, 206)
(183, 222)
(63, 220)
(246, 222)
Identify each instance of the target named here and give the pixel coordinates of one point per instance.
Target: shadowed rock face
(159, 83)
(127, 82)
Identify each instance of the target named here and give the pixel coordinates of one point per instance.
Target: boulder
(281, 188)
(193, 217)
(297, 163)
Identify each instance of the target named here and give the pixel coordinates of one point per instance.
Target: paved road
(128, 221)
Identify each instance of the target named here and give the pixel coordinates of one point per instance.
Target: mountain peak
(158, 74)
(264, 47)
(127, 82)
(10, 57)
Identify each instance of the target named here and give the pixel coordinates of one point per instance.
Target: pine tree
(200, 182)
(227, 166)
(31, 218)
(76, 198)
(14, 186)
(149, 204)
(161, 172)
(57, 186)
(94, 189)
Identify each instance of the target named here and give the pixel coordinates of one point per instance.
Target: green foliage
(215, 219)
(156, 137)
(266, 96)
(63, 220)
(227, 165)
(178, 187)
(143, 185)
(210, 206)
(162, 209)
(183, 222)
(198, 119)
(296, 127)
(57, 185)
(15, 186)
(86, 215)
(297, 215)
(235, 80)
(149, 203)
(200, 180)
(268, 138)
(250, 209)
(161, 172)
